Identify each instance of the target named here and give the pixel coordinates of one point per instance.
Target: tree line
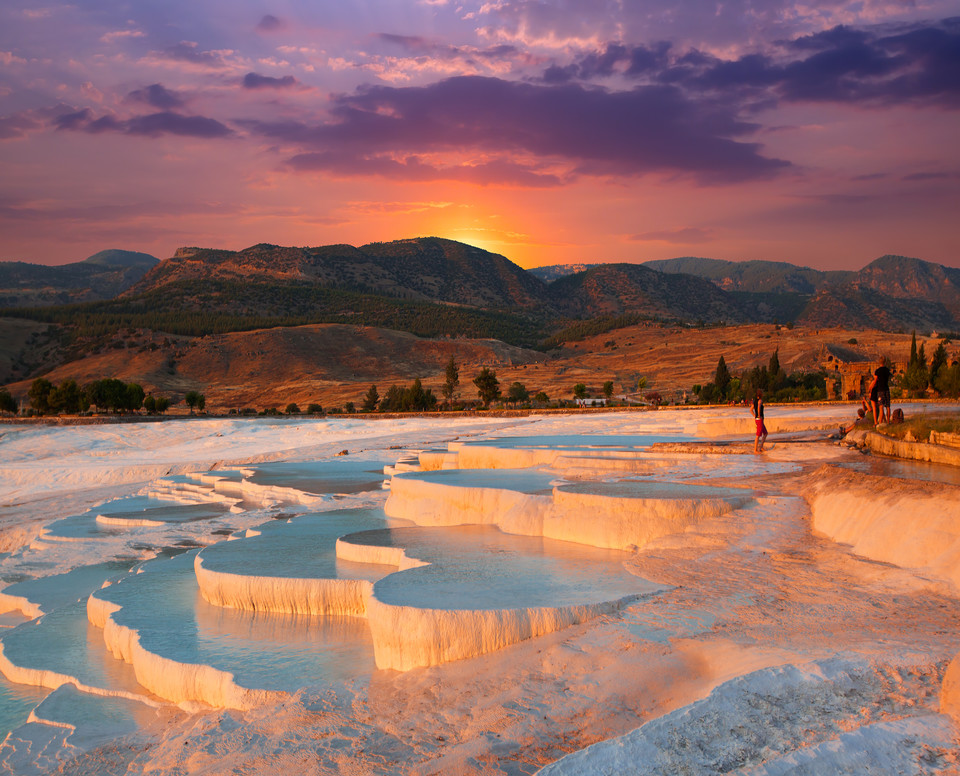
(943, 377)
(775, 383)
(106, 395)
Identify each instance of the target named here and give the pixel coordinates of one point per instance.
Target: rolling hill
(101, 276)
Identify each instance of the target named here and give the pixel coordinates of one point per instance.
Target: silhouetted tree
(393, 401)
(371, 400)
(488, 386)
(939, 359)
(7, 402)
(580, 392)
(39, 394)
(947, 380)
(608, 389)
(67, 397)
(133, 396)
(192, 399)
(517, 393)
(722, 379)
(452, 380)
(292, 409)
(149, 404)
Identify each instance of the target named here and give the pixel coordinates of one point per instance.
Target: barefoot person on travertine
(880, 393)
(761, 428)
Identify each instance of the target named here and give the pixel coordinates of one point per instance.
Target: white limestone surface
(778, 593)
(773, 737)
(293, 567)
(475, 590)
(624, 514)
(914, 524)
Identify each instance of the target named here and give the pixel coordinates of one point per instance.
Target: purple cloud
(839, 65)
(157, 96)
(191, 53)
(152, 125)
(257, 81)
(595, 131)
(270, 23)
(413, 168)
(17, 126)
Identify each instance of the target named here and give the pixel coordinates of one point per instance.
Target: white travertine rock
(291, 595)
(406, 637)
(433, 503)
(908, 523)
(615, 516)
(171, 679)
(624, 523)
(372, 554)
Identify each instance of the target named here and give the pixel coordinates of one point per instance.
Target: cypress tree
(722, 378)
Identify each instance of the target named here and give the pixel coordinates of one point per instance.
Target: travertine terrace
(632, 593)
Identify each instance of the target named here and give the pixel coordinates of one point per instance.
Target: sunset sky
(824, 134)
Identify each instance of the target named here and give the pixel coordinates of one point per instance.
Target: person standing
(880, 393)
(761, 428)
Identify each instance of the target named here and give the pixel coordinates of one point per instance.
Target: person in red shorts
(761, 428)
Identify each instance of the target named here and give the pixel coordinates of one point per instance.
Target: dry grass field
(334, 364)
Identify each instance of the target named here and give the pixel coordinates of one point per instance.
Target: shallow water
(647, 489)
(480, 567)
(322, 477)
(303, 547)
(567, 442)
(522, 480)
(907, 470)
(263, 651)
(16, 703)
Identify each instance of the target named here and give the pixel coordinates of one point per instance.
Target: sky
(550, 131)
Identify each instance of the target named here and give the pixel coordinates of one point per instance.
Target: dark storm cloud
(631, 61)
(595, 131)
(417, 46)
(270, 23)
(917, 65)
(158, 96)
(151, 125)
(257, 81)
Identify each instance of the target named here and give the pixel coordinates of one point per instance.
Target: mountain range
(101, 276)
(435, 287)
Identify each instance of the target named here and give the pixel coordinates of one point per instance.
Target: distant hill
(556, 271)
(101, 276)
(753, 276)
(891, 293)
(615, 289)
(423, 269)
(117, 258)
(436, 288)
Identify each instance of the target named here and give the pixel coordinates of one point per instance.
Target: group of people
(878, 406)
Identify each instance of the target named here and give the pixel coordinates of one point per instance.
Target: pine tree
(371, 400)
(488, 386)
(722, 379)
(452, 381)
